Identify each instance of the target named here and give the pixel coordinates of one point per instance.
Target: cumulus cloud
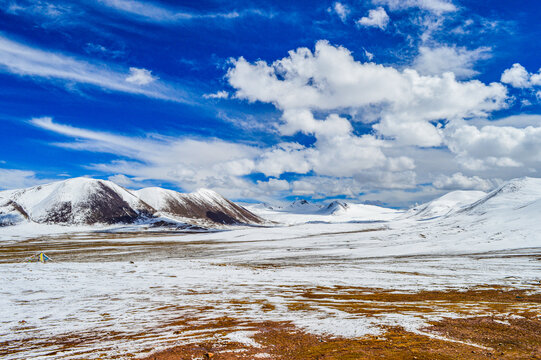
(458, 181)
(140, 76)
(321, 187)
(434, 6)
(376, 18)
(336, 151)
(23, 60)
(273, 185)
(194, 163)
(479, 148)
(330, 79)
(517, 76)
(458, 60)
(341, 10)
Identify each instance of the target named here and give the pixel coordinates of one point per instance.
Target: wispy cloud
(38, 8)
(217, 95)
(24, 60)
(189, 162)
(157, 13)
(434, 6)
(15, 178)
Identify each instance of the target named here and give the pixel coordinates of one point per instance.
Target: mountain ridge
(88, 201)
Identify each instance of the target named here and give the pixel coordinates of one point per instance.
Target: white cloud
(368, 55)
(273, 185)
(379, 179)
(338, 163)
(285, 157)
(376, 18)
(191, 163)
(398, 197)
(435, 6)
(153, 12)
(494, 146)
(341, 10)
(140, 76)
(516, 121)
(517, 76)
(336, 152)
(458, 181)
(23, 60)
(321, 187)
(458, 60)
(126, 182)
(14, 179)
(39, 8)
(218, 95)
(330, 80)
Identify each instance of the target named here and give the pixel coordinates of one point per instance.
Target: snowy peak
(204, 205)
(86, 201)
(77, 201)
(446, 204)
(303, 207)
(336, 207)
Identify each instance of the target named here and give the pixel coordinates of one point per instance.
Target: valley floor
(312, 291)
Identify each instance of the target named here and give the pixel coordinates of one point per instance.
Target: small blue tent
(41, 257)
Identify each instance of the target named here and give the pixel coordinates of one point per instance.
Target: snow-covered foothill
(445, 204)
(302, 211)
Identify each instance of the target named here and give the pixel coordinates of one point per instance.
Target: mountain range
(86, 201)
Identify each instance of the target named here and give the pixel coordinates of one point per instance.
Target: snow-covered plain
(91, 292)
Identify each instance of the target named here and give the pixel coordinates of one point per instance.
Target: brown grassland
(510, 328)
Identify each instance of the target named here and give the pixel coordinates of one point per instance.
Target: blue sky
(380, 100)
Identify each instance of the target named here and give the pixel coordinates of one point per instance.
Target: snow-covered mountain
(521, 197)
(75, 201)
(204, 204)
(516, 202)
(445, 204)
(336, 207)
(302, 206)
(360, 212)
(86, 201)
(302, 211)
(11, 213)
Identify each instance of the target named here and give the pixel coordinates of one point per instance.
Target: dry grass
(282, 341)
(513, 331)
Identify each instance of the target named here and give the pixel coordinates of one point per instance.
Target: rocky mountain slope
(86, 201)
(78, 201)
(205, 205)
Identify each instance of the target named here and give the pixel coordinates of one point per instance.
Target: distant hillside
(86, 201)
